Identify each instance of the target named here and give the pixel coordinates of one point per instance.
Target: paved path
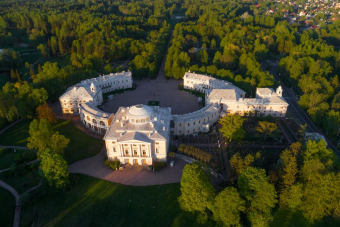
(16, 195)
(132, 175)
(10, 125)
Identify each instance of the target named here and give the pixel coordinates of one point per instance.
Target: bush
(35, 165)
(24, 156)
(159, 166)
(4, 151)
(112, 164)
(195, 152)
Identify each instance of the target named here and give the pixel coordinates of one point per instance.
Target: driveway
(132, 175)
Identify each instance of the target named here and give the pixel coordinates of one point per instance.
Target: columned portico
(137, 136)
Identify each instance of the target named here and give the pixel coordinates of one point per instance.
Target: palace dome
(140, 113)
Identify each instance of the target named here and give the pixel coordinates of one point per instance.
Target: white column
(140, 150)
(131, 150)
(150, 150)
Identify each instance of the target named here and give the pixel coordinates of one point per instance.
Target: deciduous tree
(54, 169)
(228, 206)
(266, 128)
(231, 127)
(196, 191)
(46, 112)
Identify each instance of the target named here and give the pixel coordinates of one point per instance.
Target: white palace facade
(140, 134)
(92, 90)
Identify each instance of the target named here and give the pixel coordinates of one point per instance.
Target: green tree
(196, 191)
(266, 128)
(54, 169)
(331, 122)
(43, 50)
(40, 135)
(43, 137)
(259, 194)
(231, 127)
(59, 143)
(227, 207)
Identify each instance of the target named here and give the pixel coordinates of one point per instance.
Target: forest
(49, 45)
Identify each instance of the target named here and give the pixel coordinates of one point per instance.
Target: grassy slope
(81, 145)
(95, 202)
(16, 135)
(6, 160)
(22, 183)
(7, 208)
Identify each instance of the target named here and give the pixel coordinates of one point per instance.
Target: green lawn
(3, 80)
(6, 208)
(22, 183)
(81, 146)
(95, 202)
(31, 58)
(16, 135)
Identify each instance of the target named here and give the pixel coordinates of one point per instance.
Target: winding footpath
(16, 222)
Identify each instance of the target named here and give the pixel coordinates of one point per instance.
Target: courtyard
(160, 89)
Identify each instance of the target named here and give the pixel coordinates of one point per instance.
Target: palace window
(188, 124)
(157, 150)
(114, 149)
(194, 123)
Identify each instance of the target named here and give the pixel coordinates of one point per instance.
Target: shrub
(4, 151)
(24, 156)
(35, 165)
(159, 166)
(195, 152)
(112, 164)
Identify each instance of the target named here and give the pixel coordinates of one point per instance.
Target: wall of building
(94, 123)
(155, 151)
(191, 123)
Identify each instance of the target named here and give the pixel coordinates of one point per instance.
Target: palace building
(92, 90)
(140, 134)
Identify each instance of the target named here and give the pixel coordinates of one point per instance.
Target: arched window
(102, 123)
(88, 118)
(94, 121)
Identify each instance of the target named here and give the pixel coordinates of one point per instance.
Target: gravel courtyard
(164, 91)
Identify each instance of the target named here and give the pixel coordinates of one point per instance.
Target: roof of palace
(204, 112)
(213, 82)
(225, 94)
(92, 110)
(156, 128)
(273, 100)
(78, 92)
(106, 78)
(140, 111)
